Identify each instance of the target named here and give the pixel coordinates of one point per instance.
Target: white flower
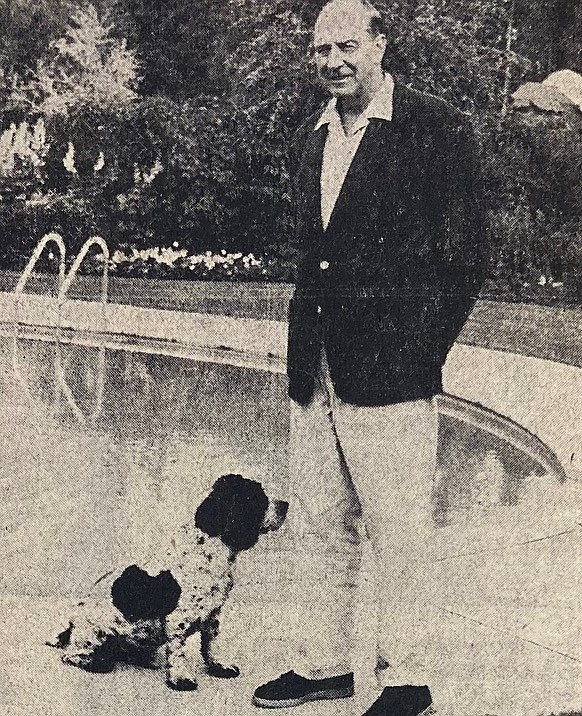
(69, 159)
(148, 177)
(100, 163)
(175, 244)
(542, 280)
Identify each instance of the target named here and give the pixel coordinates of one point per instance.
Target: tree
(175, 42)
(27, 28)
(567, 31)
(85, 67)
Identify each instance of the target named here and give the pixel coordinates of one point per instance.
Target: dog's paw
(223, 672)
(102, 666)
(93, 665)
(181, 684)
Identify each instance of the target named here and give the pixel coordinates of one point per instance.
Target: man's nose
(335, 58)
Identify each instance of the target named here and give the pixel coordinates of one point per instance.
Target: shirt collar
(380, 107)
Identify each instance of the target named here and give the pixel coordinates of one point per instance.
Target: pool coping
(547, 332)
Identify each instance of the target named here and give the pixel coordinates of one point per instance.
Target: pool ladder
(65, 280)
(64, 283)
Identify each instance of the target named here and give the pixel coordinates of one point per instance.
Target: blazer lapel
(309, 179)
(370, 158)
(377, 157)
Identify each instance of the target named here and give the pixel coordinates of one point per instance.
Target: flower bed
(173, 262)
(177, 263)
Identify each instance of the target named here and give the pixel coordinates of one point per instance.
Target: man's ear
(381, 42)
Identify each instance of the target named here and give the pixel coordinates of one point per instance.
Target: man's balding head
(349, 47)
(354, 9)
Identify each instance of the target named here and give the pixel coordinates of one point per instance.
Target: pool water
(103, 451)
(119, 445)
(107, 449)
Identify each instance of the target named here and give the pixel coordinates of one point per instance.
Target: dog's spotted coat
(99, 635)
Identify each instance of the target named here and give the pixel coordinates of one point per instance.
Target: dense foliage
(161, 123)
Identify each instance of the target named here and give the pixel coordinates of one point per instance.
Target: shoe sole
(313, 696)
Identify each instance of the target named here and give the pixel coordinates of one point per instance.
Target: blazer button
(323, 265)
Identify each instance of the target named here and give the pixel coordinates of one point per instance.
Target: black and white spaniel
(184, 598)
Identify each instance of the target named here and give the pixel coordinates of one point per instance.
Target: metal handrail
(56, 239)
(28, 269)
(94, 240)
(65, 389)
(59, 369)
(65, 282)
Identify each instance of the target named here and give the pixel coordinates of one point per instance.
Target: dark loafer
(290, 689)
(402, 701)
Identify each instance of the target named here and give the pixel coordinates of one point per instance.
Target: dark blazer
(401, 257)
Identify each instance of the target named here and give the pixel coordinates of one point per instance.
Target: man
(388, 216)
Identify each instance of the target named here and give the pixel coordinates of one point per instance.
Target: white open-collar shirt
(340, 149)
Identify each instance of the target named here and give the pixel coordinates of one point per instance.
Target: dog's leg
(90, 640)
(91, 648)
(141, 642)
(63, 639)
(208, 633)
(179, 674)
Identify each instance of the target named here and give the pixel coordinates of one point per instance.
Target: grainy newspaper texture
(291, 357)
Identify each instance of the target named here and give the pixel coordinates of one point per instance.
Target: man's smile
(341, 78)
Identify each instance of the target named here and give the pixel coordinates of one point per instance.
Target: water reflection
(477, 470)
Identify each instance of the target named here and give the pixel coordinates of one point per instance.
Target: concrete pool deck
(535, 645)
(546, 332)
(515, 642)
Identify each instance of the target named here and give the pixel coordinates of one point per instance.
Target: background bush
(165, 125)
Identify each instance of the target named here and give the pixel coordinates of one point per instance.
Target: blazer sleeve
(464, 230)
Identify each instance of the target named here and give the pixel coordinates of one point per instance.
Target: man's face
(347, 57)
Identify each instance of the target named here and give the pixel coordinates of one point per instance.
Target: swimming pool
(104, 450)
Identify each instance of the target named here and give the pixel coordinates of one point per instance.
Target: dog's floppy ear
(213, 511)
(245, 517)
(138, 595)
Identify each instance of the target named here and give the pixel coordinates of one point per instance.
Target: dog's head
(238, 511)
(138, 595)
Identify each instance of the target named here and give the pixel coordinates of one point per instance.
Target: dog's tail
(63, 639)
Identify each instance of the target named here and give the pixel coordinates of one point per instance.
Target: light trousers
(360, 472)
